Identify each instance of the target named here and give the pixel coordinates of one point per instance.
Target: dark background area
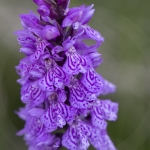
(125, 25)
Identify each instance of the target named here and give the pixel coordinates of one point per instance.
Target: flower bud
(50, 32)
(43, 11)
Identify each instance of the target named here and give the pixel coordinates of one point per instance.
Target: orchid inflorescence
(59, 84)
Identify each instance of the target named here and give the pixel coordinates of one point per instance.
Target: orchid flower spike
(59, 83)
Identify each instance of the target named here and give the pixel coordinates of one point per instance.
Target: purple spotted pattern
(59, 83)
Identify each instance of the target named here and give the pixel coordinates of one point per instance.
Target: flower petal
(87, 16)
(57, 115)
(93, 34)
(43, 10)
(104, 110)
(27, 50)
(40, 47)
(39, 2)
(75, 63)
(110, 110)
(96, 59)
(80, 97)
(50, 32)
(93, 81)
(30, 20)
(25, 38)
(32, 93)
(100, 140)
(36, 112)
(108, 87)
(46, 83)
(76, 138)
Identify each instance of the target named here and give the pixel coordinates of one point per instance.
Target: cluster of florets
(59, 83)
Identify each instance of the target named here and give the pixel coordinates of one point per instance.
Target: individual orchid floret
(46, 142)
(80, 97)
(77, 136)
(78, 15)
(35, 136)
(32, 93)
(59, 83)
(75, 63)
(25, 38)
(54, 76)
(30, 21)
(57, 115)
(93, 81)
(100, 140)
(103, 110)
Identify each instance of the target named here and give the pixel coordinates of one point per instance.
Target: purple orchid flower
(59, 82)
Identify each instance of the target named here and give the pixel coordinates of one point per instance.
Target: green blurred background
(125, 25)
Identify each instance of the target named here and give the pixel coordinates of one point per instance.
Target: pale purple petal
(95, 58)
(75, 63)
(39, 2)
(93, 34)
(97, 117)
(30, 20)
(40, 46)
(46, 83)
(80, 97)
(25, 37)
(55, 76)
(57, 115)
(87, 16)
(93, 81)
(32, 93)
(108, 87)
(43, 10)
(76, 137)
(100, 140)
(73, 15)
(103, 110)
(68, 43)
(110, 110)
(61, 95)
(57, 49)
(27, 50)
(36, 112)
(50, 32)
(47, 140)
(67, 22)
